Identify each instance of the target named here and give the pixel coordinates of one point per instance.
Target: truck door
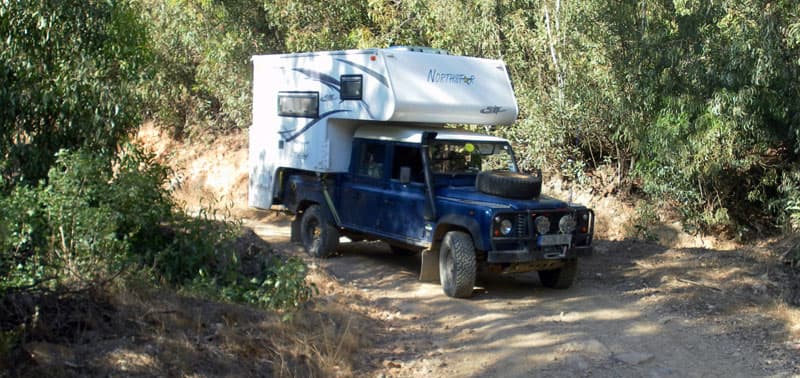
(404, 202)
(361, 201)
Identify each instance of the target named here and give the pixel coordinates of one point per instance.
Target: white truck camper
(307, 106)
(354, 143)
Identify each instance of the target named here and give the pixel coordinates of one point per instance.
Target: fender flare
(450, 221)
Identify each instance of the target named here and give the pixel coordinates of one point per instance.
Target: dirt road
(636, 310)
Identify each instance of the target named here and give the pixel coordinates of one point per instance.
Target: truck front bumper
(527, 255)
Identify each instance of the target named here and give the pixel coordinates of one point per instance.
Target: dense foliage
(58, 60)
(79, 207)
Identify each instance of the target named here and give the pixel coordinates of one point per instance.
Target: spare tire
(509, 184)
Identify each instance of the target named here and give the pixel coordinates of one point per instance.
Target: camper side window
(352, 87)
(298, 104)
(371, 160)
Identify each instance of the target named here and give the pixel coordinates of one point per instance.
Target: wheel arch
(304, 204)
(453, 222)
(429, 269)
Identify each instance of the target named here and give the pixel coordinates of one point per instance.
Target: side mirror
(405, 175)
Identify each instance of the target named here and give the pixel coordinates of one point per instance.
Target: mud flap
(295, 229)
(429, 271)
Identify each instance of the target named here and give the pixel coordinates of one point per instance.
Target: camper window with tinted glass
(298, 104)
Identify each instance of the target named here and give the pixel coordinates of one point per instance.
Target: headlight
(567, 224)
(542, 224)
(506, 226)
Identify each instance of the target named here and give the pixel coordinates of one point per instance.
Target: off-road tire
(457, 264)
(317, 233)
(509, 184)
(561, 278)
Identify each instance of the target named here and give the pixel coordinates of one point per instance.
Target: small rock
(663, 372)
(667, 319)
(51, 354)
(634, 358)
(591, 348)
(391, 365)
(576, 362)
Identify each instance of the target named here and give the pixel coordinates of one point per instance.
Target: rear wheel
(319, 236)
(561, 278)
(457, 264)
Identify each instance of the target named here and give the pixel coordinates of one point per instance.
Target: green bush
(279, 285)
(788, 204)
(93, 221)
(69, 72)
(643, 222)
(77, 228)
(198, 246)
(282, 285)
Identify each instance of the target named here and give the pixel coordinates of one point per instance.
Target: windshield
(454, 157)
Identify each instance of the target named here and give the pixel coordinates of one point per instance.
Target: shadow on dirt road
(636, 309)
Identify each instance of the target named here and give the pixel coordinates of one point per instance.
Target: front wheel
(320, 238)
(561, 278)
(457, 264)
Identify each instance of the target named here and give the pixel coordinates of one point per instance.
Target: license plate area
(555, 239)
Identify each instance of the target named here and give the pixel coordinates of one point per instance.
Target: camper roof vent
(421, 49)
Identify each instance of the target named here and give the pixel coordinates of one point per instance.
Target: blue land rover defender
(455, 196)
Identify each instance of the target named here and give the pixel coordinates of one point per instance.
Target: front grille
(522, 225)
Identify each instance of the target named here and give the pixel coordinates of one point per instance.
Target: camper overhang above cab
(393, 84)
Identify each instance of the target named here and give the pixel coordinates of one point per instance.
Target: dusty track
(636, 310)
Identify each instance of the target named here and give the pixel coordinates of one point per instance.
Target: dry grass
(134, 328)
(161, 333)
(791, 316)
